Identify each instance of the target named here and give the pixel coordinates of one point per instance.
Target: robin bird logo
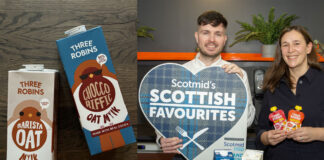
(29, 133)
(96, 92)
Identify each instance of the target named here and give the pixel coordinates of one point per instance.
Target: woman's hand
(232, 68)
(306, 134)
(170, 145)
(273, 137)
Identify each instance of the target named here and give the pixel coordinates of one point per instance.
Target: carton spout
(34, 67)
(75, 30)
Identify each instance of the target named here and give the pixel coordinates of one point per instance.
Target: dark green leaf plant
(267, 32)
(144, 31)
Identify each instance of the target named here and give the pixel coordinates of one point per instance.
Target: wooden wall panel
(28, 31)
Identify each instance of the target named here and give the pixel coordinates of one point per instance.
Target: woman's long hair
(279, 69)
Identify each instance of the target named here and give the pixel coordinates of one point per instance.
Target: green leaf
(265, 31)
(143, 31)
(271, 15)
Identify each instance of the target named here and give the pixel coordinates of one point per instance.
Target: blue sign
(198, 108)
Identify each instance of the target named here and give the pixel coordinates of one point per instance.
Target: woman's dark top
(309, 95)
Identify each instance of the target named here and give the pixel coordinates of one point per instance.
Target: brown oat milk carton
(31, 113)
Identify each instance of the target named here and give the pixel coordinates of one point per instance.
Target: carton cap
(75, 30)
(298, 108)
(34, 67)
(274, 108)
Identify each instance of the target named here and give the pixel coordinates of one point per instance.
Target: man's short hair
(213, 18)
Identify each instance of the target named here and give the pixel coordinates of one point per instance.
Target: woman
(295, 78)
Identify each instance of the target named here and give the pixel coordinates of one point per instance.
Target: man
(211, 38)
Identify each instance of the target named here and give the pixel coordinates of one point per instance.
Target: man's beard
(207, 55)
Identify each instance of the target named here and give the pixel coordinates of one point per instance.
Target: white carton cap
(75, 30)
(33, 67)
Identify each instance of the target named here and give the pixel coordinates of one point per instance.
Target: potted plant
(144, 31)
(267, 32)
(319, 47)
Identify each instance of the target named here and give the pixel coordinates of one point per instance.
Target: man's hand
(233, 68)
(170, 145)
(273, 137)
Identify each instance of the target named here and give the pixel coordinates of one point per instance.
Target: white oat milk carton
(31, 113)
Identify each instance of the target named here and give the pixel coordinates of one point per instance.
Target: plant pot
(268, 50)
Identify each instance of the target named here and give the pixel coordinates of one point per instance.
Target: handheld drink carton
(278, 118)
(295, 118)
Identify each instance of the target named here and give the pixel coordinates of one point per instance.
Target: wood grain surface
(28, 31)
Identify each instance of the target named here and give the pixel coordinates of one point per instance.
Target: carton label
(97, 98)
(98, 93)
(29, 132)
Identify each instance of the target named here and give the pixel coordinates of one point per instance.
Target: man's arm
(251, 108)
(233, 68)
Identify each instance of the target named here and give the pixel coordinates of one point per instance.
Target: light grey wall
(175, 20)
